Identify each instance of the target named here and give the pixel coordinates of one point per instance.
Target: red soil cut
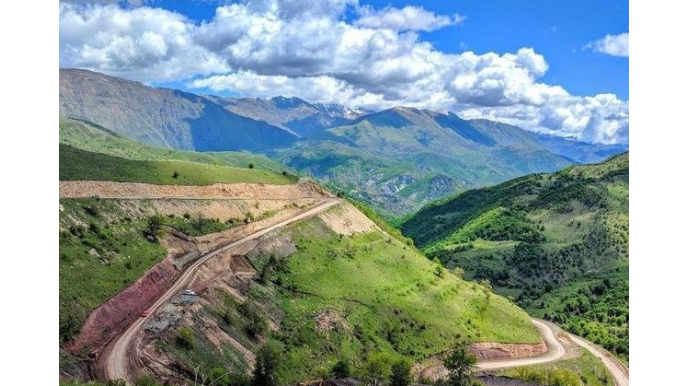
(106, 321)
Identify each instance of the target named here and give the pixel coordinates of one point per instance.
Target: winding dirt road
(115, 361)
(555, 352)
(617, 369)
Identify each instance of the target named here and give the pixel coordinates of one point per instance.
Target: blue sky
(556, 67)
(556, 29)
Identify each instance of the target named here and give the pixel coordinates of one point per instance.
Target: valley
(184, 261)
(395, 160)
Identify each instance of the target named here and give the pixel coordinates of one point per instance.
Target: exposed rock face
(494, 351)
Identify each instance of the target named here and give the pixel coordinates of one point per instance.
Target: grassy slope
(99, 256)
(95, 139)
(77, 164)
(390, 296)
(584, 370)
(558, 243)
(389, 299)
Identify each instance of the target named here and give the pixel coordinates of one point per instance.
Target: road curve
(555, 352)
(115, 361)
(617, 369)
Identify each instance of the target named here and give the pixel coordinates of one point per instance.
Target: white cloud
(615, 45)
(263, 48)
(141, 43)
(409, 18)
(131, 2)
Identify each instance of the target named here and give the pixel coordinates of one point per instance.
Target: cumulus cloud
(140, 43)
(410, 18)
(131, 2)
(264, 48)
(615, 45)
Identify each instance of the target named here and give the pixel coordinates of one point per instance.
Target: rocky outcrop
(77, 189)
(486, 351)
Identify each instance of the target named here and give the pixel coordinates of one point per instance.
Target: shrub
(377, 368)
(400, 373)
(460, 364)
(341, 369)
(186, 338)
(175, 174)
(145, 380)
(266, 364)
(251, 166)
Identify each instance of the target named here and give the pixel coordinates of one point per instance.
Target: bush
(175, 174)
(145, 380)
(251, 166)
(400, 373)
(341, 369)
(460, 364)
(377, 368)
(186, 338)
(267, 360)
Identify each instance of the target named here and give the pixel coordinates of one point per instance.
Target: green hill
(557, 243)
(90, 153)
(398, 159)
(319, 295)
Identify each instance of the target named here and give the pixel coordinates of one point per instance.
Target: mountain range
(396, 160)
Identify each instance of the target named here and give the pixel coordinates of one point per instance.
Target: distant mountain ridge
(295, 114)
(162, 117)
(396, 159)
(400, 158)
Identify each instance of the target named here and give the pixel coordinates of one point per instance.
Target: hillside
(329, 287)
(557, 243)
(396, 160)
(88, 152)
(162, 117)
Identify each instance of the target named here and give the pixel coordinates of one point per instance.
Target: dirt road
(115, 361)
(556, 351)
(617, 369)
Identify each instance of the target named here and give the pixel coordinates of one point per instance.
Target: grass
(584, 370)
(77, 164)
(99, 256)
(556, 243)
(93, 138)
(391, 298)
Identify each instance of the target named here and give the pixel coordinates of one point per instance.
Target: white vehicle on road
(189, 292)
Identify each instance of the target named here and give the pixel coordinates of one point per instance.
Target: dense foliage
(556, 243)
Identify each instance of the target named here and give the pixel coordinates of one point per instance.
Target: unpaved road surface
(617, 369)
(556, 351)
(115, 362)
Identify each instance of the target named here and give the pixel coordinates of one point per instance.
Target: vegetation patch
(77, 164)
(584, 370)
(102, 251)
(556, 243)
